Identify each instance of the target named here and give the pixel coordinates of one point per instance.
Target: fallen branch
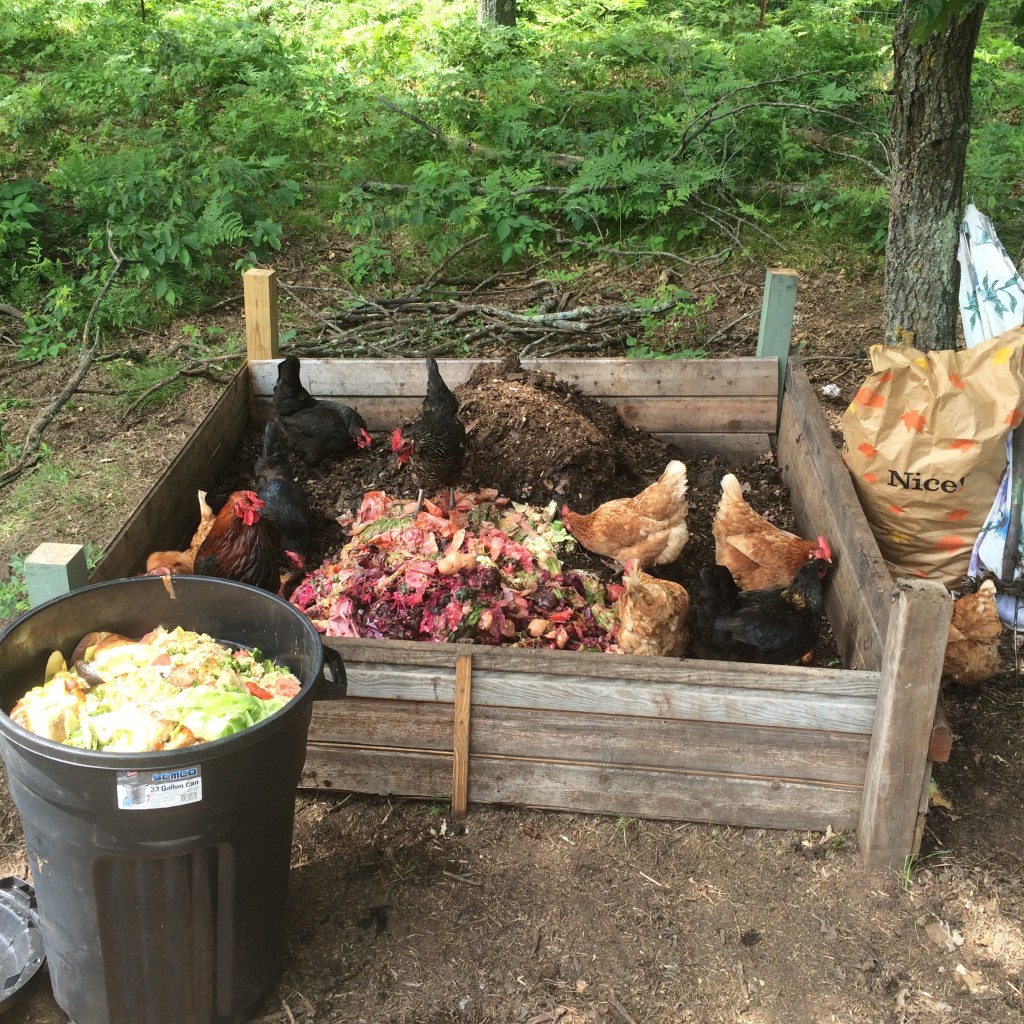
(32, 445)
(14, 314)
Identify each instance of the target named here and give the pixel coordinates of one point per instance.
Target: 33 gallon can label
(172, 787)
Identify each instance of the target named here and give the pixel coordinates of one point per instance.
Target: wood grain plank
(437, 663)
(843, 704)
(858, 594)
(622, 378)
(799, 754)
(169, 513)
(734, 414)
(675, 796)
(908, 691)
(460, 745)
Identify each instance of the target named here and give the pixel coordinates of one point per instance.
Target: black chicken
(315, 428)
(718, 595)
(285, 503)
(435, 445)
(774, 626)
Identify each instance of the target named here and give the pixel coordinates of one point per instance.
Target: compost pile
(535, 443)
(497, 579)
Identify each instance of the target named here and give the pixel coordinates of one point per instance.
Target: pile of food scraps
(487, 572)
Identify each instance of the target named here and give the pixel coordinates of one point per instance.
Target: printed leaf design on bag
(957, 381)
(897, 510)
(1002, 356)
(962, 444)
(897, 537)
(871, 478)
(871, 399)
(1014, 418)
(950, 543)
(869, 451)
(913, 420)
(958, 515)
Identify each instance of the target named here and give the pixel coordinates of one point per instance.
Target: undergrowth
(196, 141)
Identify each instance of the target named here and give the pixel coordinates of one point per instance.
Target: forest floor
(520, 916)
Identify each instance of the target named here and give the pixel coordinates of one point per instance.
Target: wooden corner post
(778, 308)
(261, 322)
(908, 691)
(460, 743)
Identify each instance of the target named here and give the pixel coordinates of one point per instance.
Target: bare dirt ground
(515, 915)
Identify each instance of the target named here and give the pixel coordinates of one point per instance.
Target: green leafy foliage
(195, 143)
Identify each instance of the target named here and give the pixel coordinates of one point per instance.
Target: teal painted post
(776, 331)
(53, 570)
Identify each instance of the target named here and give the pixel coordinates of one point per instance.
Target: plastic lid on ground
(21, 943)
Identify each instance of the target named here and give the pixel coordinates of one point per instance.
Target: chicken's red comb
(364, 440)
(822, 550)
(396, 439)
(247, 507)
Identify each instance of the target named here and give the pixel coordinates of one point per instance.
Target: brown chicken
(435, 445)
(776, 626)
(242, 545)
(760, 556)
(654, 614)
(180, 563)
(972, 650)
(650, 526)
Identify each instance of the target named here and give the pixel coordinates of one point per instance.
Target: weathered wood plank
(676, 796)
(907, 694)
(685, 694)
(858, 594)
(169, 513)
(602, 378)
(460, 744)
(737, 414)
(438, 662)
(799, 754)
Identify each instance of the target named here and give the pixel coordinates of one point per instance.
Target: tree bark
(500, 12)
(930, 123)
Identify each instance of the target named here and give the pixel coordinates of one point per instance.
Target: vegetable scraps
(488, 574)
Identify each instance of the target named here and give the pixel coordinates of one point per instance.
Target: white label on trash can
(142, 791)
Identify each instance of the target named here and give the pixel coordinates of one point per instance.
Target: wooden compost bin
(747, 745)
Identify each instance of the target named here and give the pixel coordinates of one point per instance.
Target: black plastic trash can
(161, 878)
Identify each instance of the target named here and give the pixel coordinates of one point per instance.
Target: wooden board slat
(676, 796)
(169, 513)
(859, 588)
(737, 414)
(801, 754)
(907, 696)
(437, 661)
(460, 744)
(708, 703)
(603, 378)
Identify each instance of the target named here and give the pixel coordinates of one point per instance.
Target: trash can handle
(337, 687)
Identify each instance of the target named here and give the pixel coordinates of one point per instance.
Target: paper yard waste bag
(925, 443)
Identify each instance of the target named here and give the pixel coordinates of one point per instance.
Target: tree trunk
(930, 123)
(500, 12)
